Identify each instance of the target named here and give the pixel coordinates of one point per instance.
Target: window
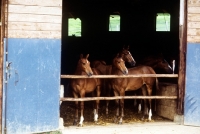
(74, 27)
(114, 23)
(163, 22)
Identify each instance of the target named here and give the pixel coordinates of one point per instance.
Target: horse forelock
(83, 61)
(84, 66)
(153, 60)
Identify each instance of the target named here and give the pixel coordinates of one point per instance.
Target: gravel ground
(137, 128)
(132, 122)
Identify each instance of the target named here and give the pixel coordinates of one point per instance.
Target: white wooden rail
(120, 76)
(118, 97)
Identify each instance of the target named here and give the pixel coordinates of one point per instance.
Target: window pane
(163, 22)
(114, 23)
(74, 27)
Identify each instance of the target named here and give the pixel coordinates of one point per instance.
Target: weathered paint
(34, 19)
(32, 92)
(193, 21)
(192, 92)
(3, 91)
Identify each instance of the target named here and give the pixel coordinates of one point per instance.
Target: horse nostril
(125, 71)
(89, 74)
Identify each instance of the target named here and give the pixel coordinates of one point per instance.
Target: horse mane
(103, 62)
(152, 60)
(96, 63)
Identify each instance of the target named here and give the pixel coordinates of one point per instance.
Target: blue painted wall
(32, 92)
(192, 92)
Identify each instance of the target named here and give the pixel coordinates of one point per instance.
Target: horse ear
(87, 56)
(128, 47)
(117, 55)
(161, 55)
(123, 47)
(121, 55)
(81, 56)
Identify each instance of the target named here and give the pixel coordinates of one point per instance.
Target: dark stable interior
(137, 29)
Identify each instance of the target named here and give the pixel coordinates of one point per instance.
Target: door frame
(182, 61)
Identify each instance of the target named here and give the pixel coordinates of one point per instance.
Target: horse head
(127, 56)
(84, 65)
(163, 66)
(118, 63)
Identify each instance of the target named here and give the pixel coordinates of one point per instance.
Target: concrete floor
(137, 128)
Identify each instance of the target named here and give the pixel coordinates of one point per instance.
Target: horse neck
(116, 71)
(150, 62)
(79, 71)
(101, 68)
(96, 71)
(108, 69)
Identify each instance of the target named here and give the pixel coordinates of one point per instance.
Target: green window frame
(74, 27)
(163, 22)
(114, 23)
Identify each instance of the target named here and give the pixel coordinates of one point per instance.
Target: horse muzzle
(125, 71)
(132, 63)
(89, 74)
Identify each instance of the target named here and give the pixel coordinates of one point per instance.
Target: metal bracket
(8, 68)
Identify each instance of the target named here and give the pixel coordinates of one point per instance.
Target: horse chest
(119, 84)
(84, 84)
(134, 83)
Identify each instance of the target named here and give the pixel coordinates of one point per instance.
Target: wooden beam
(37, 2)
(193, 3)
(14, 17)
(24, 9)
(117, 97)
(34, 34)
(3, 21)
(182, 63)
(194, 25)
(193, 31)
(193, 39)
(193, 17)
(119, 76)
(34, 26)
(192, 9)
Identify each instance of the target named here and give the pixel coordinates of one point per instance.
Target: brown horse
(158, 63)
(85, 85)
(160, 66)
(106, 70)
(120, 85)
